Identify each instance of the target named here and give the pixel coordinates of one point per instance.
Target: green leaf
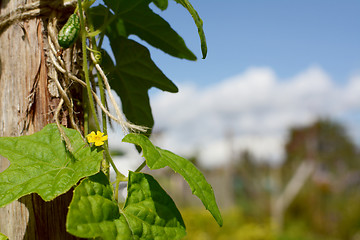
(199, 23)
(104, 20)
(152, 28)
(134, 74)
(93, 211)
(3, 237)
(40, 163)
(143, 22)
(161, 4)
(158, 158)
(148, 213)
(123, 6)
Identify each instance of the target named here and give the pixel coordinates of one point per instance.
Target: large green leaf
(152, 28)
(148, 213)
(40, 163)
(3, 237)
(134, 74)
(158, 158)
(199, 23)
(123, 6)
(143, 22)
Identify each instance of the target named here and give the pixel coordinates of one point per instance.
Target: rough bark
(26, 107)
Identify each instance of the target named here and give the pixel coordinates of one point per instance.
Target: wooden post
(26, 107)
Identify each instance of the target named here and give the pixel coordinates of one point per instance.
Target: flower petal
(90, 137)
(98, 138)
(99, 143)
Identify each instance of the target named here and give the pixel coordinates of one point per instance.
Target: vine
(84, 160)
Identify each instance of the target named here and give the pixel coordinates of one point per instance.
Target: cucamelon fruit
(69, 32)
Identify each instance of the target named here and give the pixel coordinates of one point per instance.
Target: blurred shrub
(298, 229)
(201, 226)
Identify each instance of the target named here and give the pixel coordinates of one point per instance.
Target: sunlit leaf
(148, 213)
(3, 237)
(158, 158)
(40, 163)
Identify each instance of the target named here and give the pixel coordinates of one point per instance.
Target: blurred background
(271, 116)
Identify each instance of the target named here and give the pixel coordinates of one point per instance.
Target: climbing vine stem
(85, 65)
(106, 161)
(77, 164)
(91, 100)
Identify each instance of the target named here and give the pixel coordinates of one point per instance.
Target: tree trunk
(26, 106)
(292, 189)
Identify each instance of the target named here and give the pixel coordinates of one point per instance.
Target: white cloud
(352, 99)
(256, 107)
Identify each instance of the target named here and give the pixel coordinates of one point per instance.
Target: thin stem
(100, 81)
(126, 126)
(119, 176)
(86, 112)
(141, 166)
(108, 157)
(62, 132)
(105, 164)
(103, 101)
(117, 183)
(85, 65)
(106, 23)
(101, 38)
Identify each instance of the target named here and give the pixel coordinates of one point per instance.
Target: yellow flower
(97, 138)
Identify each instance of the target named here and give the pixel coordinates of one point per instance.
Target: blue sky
(271, 65)
(287, 36)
